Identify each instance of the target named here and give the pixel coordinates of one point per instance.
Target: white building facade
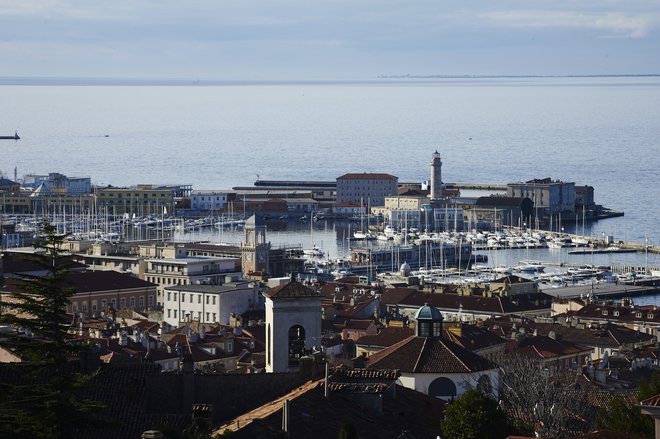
(209, 303)
(208, 200)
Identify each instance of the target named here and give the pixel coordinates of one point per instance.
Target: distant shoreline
(640, 75)
(72, 81)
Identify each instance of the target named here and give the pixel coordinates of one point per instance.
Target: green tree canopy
(40, 399)
(474, 415)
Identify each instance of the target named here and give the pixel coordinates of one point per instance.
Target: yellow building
(140, 200)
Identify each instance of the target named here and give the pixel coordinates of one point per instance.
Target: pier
(601, 291)
(478, 186)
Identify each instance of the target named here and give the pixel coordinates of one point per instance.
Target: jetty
(601, 291)
(14, 137)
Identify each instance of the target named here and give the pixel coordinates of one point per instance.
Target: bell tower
(293, 325)
(254, 248)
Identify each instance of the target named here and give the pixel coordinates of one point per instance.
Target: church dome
(428, 312)
(404, 269)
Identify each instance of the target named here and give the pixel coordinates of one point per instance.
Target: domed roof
(428, 312)
(405, 267)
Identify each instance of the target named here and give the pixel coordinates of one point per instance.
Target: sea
(598, 131)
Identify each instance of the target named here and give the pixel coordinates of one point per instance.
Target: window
(123, 302)
(132, 302)
(207, 299)
(104, 304)
(183, 297)
(207, 316)
(175, 312)
(175, 294)
(650, 315)
(616, 313)
(605, 312)
(199, 298)
(141, 301)
(84, 307)
(214, 319)
(214, 302)
(151, 300)
(114, 303)
(638, 315)
(169, 313)
(191, 298)
(94, 307)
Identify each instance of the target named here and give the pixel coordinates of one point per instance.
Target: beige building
(399, 202)
(172, 267)
(550, 197)
(140, 200)
(366, 188)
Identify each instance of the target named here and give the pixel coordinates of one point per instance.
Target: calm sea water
(604, 132)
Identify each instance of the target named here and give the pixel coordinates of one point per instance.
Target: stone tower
(254, 248)
(293, 325)
(436, 177)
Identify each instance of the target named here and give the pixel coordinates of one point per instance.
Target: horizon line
(98, 80)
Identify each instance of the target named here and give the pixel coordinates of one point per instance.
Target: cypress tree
(40, 397)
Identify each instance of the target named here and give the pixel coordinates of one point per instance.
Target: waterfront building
(140, 200)
(9, 186)
(60, 183)
(367, 188)
(209, 200)
(584, 198)
(43, 201)
(293, 325)
(428, 254)
(550, 197)
(406, 202)
(209, 303)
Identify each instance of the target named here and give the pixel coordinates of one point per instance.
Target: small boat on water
(14, 137)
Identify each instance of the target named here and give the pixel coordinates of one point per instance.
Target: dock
(599, 251)
(601, 291)
(478, 186)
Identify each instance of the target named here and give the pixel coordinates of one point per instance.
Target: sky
(329, 39)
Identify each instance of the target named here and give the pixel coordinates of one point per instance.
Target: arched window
(296, 344)
(443, 388)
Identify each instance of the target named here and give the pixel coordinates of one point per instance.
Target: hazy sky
(308, 39)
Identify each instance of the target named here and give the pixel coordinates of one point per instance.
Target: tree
(347, 431)
(623, 417)
(41, 398)
(537, 398)
(474, 415)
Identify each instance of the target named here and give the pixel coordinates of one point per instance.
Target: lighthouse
(436, 177)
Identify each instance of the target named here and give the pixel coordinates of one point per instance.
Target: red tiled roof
(291, 289)
(428, 355)
(386, 337)
(365, 176)
(546, 348)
